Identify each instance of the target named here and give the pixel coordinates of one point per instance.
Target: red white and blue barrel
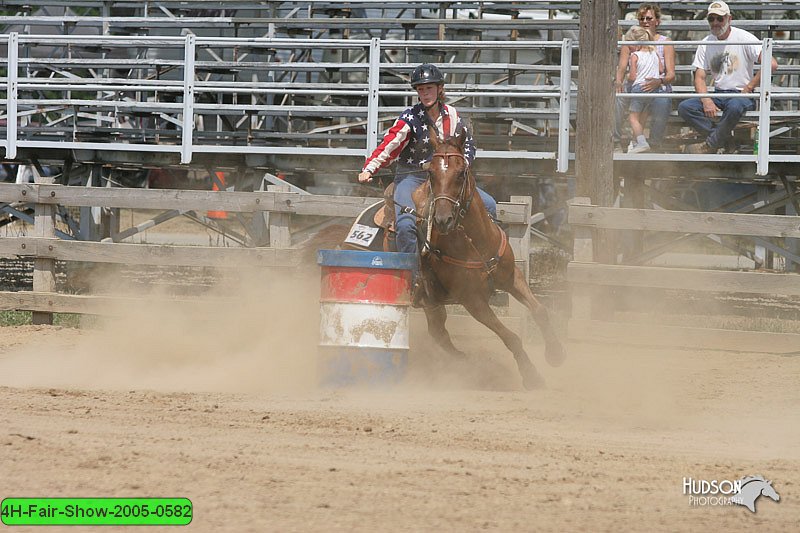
(364, 305)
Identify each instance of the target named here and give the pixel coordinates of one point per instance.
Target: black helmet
(426, 73)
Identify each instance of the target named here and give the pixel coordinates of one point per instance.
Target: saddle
(375, 228)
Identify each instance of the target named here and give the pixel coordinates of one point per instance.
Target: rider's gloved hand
(365, 176)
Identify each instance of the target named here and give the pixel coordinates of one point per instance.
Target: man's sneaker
(699, 148)
(639, 148)
(731, 146)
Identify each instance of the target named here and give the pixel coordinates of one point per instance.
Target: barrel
(364, 305)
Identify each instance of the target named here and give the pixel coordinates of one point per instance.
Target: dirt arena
(220, 406)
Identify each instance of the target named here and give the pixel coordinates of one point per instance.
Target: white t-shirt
(731, 65)
(646, 66)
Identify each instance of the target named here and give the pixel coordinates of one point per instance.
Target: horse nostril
(444, 223)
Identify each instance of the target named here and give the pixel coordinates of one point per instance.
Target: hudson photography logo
(713, 492)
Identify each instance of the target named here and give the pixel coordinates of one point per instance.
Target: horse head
(752, 488)
(769, 491)
(448, 171)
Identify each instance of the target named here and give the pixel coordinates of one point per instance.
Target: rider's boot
(419, 292)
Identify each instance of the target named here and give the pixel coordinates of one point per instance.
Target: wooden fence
(589, 279)
(274, 207)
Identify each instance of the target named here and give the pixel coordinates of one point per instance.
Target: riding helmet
(426, 73)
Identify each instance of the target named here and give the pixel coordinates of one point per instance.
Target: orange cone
(218, 184)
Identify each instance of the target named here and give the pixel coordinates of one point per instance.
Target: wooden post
(90, 223)
(583, 252)
(595, 151)
(763, 257)
(279, 234)
(793, 245)
(633, 196)
(259, 224)
(44, 270)
(792, 209)
(519, 238)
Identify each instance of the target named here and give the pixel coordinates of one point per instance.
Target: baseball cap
(719, 8)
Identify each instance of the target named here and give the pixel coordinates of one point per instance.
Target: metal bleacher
(308, 87)
(273, 85)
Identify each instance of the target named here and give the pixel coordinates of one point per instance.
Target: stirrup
(419, 295)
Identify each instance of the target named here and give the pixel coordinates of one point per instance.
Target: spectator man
(730, 67)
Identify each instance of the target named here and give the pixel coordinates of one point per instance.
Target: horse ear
(461, 137)
(434, 141)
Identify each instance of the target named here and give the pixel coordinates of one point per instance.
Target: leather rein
(461, 205)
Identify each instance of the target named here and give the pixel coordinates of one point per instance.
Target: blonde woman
(649, 18)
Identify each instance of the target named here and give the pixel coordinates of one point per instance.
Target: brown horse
(465, 254)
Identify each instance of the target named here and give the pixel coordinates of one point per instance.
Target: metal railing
(165, 102)
(192, 94)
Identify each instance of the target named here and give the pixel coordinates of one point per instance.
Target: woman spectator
(649, 17)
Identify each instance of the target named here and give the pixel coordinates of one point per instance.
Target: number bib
(361, 235)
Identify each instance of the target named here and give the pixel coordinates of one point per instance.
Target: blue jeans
(638, 105)
(660, 108)
(733, 109)
(404, 186)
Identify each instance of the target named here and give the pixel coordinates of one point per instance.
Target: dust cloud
(257, 332)
(252, 331)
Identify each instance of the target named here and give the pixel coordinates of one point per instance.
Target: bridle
(463, 197)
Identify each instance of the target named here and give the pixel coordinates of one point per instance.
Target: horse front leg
(479, 308)
(436, 317)
(554, 352)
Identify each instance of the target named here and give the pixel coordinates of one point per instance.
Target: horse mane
(457, 142)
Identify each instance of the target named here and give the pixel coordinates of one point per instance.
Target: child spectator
(644, 64)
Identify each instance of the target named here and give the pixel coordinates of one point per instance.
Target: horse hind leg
(436, 317)
(554, 351)
(480, 310)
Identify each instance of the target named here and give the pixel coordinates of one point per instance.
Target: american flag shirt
(408, 140)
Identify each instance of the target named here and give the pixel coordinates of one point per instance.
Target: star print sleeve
(469, 145)
(387, 151)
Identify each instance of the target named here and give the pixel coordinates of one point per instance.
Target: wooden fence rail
(45, 248)
(588, 278)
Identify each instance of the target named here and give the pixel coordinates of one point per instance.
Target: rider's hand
(365, 176)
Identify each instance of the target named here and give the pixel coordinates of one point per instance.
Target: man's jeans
(733, 109)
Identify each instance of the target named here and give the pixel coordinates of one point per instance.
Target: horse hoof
(532, 380)
(555, 354)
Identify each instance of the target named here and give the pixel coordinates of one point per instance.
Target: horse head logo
(752, 488)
